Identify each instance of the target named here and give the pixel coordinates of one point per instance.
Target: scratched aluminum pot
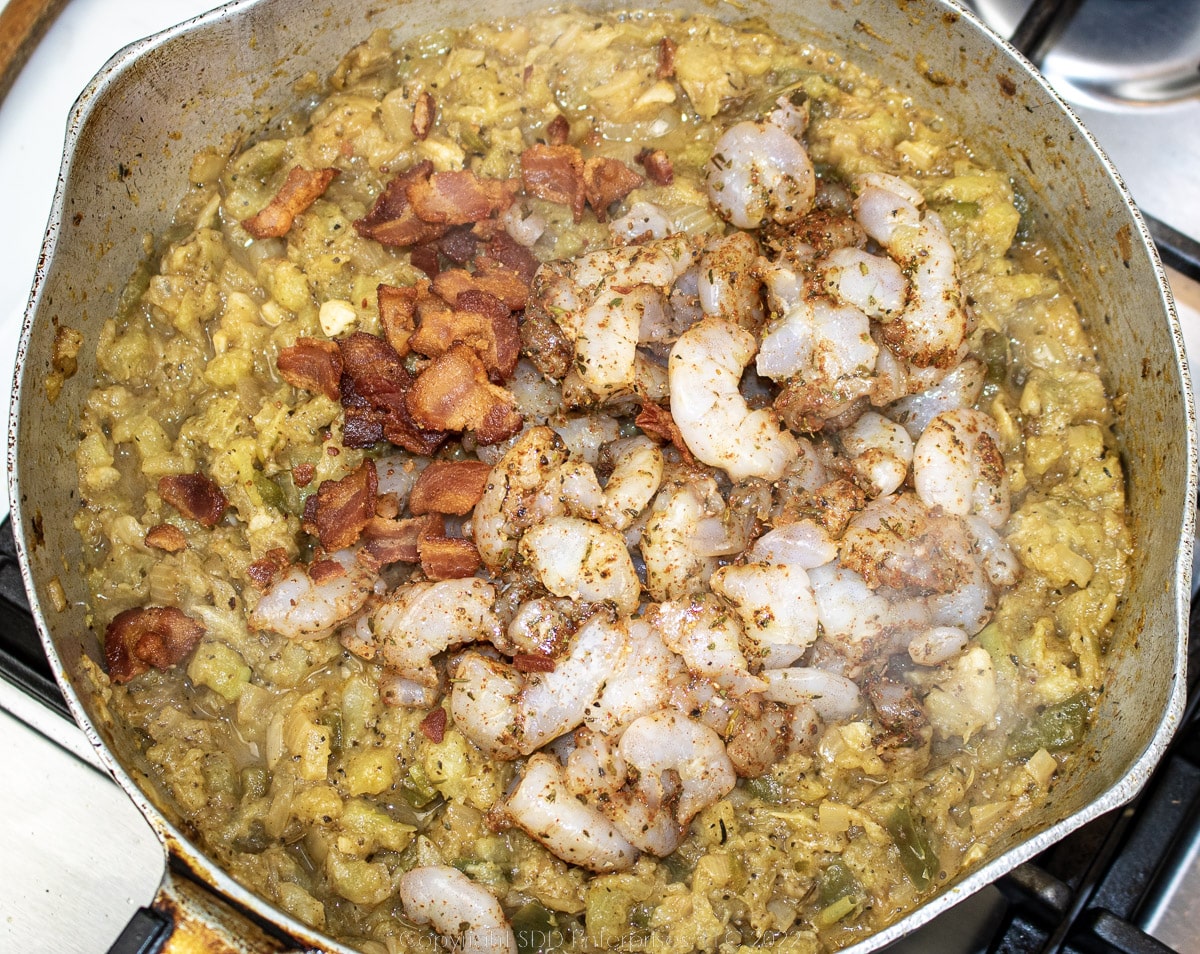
(131, 138)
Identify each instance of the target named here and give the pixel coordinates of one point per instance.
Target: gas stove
(77, 859)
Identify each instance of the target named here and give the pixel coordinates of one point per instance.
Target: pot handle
(188, 918)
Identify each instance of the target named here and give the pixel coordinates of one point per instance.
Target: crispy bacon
(263, 572)
(657, 422)
(302, 474)
(194, 496)
(425, 257)
(666, 58)
(166, 537)
(459, 245)
(393, 220)
(479, 320)
(558, 130)
(374, 382)
(433, 726)
(659, 168)
(158, 636)
(449, 486)
(555, 173)
(322, 571)
(489, 276)
(424, 115)
(395, 541)
(504, 250)
(345, 506)
(312, 365)
(458, 198)
(397, 311)
(533, 662)
(453, 394)
(448, 558)
(300, 189)
(606, 181)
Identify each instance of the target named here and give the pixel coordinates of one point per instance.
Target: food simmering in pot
(592, 482)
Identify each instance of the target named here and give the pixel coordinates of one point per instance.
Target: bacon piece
(395, 541)
(558, 130)
(312, 365)
(504, 250)
(448, 558)
(533, 662)
(302, 474)
(479, 320)
(194, 496)
(165, 536)
(433, 726)
(458, 198)
(657, 422)
(374, 382)
(453, 394)
(489, 276)
(393, 220)
(300, 189)
(606, 181)
(459, 245)
(158, 636)
(449, 486)
(345, 506)
(555, 173)
(263, 572)
(666, 58)
(397, 311)
(659, 168)
(425, 257)
(322, 571)
(424, 115)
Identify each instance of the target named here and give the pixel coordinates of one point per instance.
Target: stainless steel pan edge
(117, 183)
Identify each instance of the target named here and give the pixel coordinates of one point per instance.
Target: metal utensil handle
(22, 24)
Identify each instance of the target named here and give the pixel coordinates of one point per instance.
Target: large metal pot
(130, 141)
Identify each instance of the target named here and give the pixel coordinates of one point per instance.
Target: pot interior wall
(144, 118)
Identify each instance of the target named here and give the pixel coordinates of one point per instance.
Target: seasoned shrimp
(871, 283)
(457, 908)
(599, 302)
(506, 508)
(880, 451)
(760, 171)
(297, 607)
(643, 220)
(420, 620)
(639, 683)
(676, 565)
(933, 327)
(958, 466)
(831, 696)
(507, 713)
(959, 388)
(636, 475)
(805, 544)
(582, 560)
(728, 285)
(776, 605)
(709, 639)
(705, 369)
(546, 810)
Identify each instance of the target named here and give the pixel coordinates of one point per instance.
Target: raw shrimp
(643, 220)
(937, 644)
(420, 620)
(296, 607)
(639, 683)
(505, 510)
(709, 638)
(831, 696)
(760, 171)
(729, 286)
(675, 564)
(582, 560)
(754, 744)
(880, 451)
(544, 808)
(805, 544)
(457, 908)
(871, 283)
(933, 327)
(636, 475)
(599, 303)
(776, 606)
(959, 388)
(705, 369)
(507, 713)
(958, 466)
